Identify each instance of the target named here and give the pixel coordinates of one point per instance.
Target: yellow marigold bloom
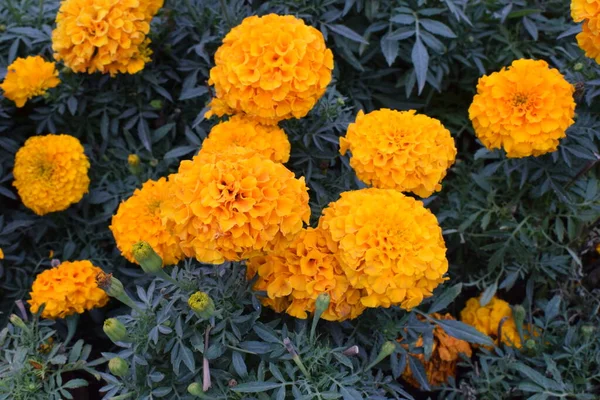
(389, 244)
(524, 109)
(27, 78)
(272, 67)
(234, 205)
(269, 141)
(1, 254)
(302, 271)
(487, 320)
(584, 9)
(589, 38)
(399, 150)
(107, 36)
(444, 356)
(138, 219)
(133, 160)
(51, 173)
(67, 289)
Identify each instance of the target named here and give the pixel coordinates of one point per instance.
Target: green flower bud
(114, 288)
(17, 321)
(195, 389)
(519, 315)
(2, 27)
(386, 350)
(202, 305)
(156, 104)
(578, 67)
(322, 303)
(530, 344)
(587, 330)
(115, 330)
(145, 255)
(118, 367)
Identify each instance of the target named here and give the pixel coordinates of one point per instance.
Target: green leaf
(420, 60)
(59, 360)
(75, 383)
(256, 387)
(437, 28)
(390, 49)
(418, 372)
(443, 300)
(403, 19)
(488, 293)
(536, 377)
(463, 331)
(347, 33)
(239, 365)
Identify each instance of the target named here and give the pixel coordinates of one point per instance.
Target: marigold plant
(234, 205)
(107, 36)
(272, 67)
(267, 140)
(524, 109)
(51, 172)
(138, 219)
(29, 77)
(302, 271)
(67, 289)
(399, 150)
(486, 319)
(445, 354)
(389, 244)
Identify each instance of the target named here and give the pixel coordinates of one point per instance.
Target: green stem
(41, 13)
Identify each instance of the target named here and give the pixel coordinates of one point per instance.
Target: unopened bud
(519, 315)
(17, 321)
(2, 27)
(156, 104)
(578, 67)
(530, 344)
(114, 288)
(145, 255)
(115, 330)
(202, 305)
(587, 330)
(118, 367)
(387, 349)
(195, 389)
(133, 160)
(322, 303)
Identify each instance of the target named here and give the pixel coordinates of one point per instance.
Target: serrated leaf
(420, 60)
(239, 365)
(488, 293)
(418, 372)
(75, 383)
(255, 387)
(437, 28)
(463, 331)
(443, 300)
(347, 33)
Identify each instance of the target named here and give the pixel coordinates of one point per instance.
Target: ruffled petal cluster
(107, 36)
(29, 77)
(67, 289)
(51, 173)
(399, 150)
(445, 354)
(293, 278)
(588, 12)
(234, 205)
(139, 219)
(389, 244)
(487, 320)
(272, 68)
(269, 141)
(524, 109)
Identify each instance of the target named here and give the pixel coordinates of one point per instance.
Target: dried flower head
(389, 244)
(272, 68)
(524, 109)
(399, 150)
(487, 319)
(51, 173)
(29, 77)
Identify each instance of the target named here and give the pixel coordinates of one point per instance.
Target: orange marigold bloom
(444, 355)
(399, 150)
(107, 36)
(67, 289)
(51, 173)
(272, 67)
(235, 205)
(487, 320)
(524, 109)
(269, 141)
(293, 278)
(1, 254)
(388, 244)
(584, 9)
(27, 78)
(139, 219)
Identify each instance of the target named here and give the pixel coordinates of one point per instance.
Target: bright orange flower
(27, 78)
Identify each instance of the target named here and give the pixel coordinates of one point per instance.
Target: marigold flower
(51, 173)
(302, 271)
(524, 109)
(1, 254)
(27, 78)
(444, 356)
(107, 36)
(234, 205)
(388, 244)
(584, 9)
(399, 150)
(272, 67)
(138, 219)
(269, 141)
(487, 320)
(67, 289)
(133, 160)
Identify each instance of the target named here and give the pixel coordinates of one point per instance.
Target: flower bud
(195, 389)
(587, 330)
(202, 305)
(2, 27)
(133, 160)
(114, 288)
(519, 315)
(322, 303)
(387, 349)
(17, 321)
(115, 330)
(530, 344)
(156, 104)
(145, 255)
(118, 367)
(578, 67)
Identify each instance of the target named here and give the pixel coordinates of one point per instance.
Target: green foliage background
(523, 228)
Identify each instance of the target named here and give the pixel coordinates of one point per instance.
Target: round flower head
(107, 36)
(389, 244)
(302, 271)
(269, 141)
(138, 219)
(67, 289)
(399, 150)
(445, 354)
(51, 173)
(234, 205)
(29, 77)
(584, 9)
(272, 67)
(486, 319)
(524, 109)
(589, 38)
